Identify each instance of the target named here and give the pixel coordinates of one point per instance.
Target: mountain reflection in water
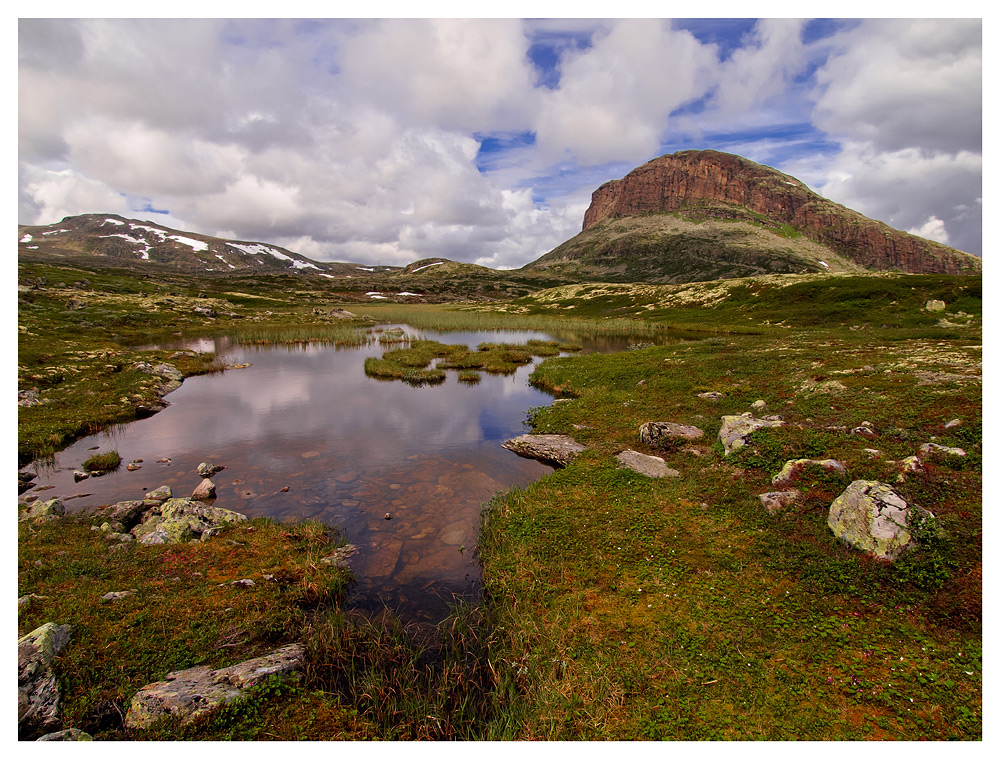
(305, 434)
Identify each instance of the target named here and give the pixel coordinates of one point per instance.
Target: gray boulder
(43, 511)
(181, 520)
(873, 518)
(191, 693)
(736, 430)
(777, 501)
(930, 448)
(72, 734)
(656, 434)
(648, 466)
(557, 450)
(795, 467)
(37, 689)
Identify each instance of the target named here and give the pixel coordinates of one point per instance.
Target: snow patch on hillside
(196, 245)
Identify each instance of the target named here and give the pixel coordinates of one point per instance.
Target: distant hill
(136, 244)
(699, 215)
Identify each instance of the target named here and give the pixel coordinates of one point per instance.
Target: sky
(391, 140)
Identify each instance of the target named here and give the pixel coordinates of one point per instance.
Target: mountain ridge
(727, 186)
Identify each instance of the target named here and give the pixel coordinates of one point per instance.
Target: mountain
(699, 215)
(114, 240)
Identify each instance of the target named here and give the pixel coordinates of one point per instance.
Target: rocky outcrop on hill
(711, 184)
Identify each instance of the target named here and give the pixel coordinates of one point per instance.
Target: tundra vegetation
(616, 606)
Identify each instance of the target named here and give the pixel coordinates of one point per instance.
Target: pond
(402, 471)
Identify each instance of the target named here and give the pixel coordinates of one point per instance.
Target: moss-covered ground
(617, 607)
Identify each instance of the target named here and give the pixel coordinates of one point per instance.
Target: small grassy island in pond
(106, 461)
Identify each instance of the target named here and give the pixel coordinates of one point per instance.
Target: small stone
(80, 475)
(387, 515)
(207, 469)
(952, 423)
(204, 492)
(935, 448)
(935, 305)
(775, 502)
(117, 595)
(711, 396)
(659, 434)
(758, 405)
(132, 467)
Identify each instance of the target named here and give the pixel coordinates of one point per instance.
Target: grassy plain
(618, 607)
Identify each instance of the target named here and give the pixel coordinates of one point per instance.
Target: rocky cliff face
(720, 185)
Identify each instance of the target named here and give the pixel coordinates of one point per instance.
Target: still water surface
(304, 434)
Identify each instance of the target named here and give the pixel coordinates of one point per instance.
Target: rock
(191, 693)
(43, 511)
(872, 517)
(935, 305)
(38, 694)
(72, 734)
(181, 520)
(207, 469)
(161, 494)
(126, 513)
(953, 423)
(864, 431)
(736, 430)
(556, 450)
(339, 557)
(795, 467)
(648, 466)
(340, 313)
(931, 448)
(758, 406)
(117, 595)
(775, 502)
(80, 475)
(658, 434)
(711, 396)
(75, 304)
(132, 467)
(205, 491)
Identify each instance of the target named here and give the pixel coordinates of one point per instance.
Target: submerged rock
(648, 466)
(557, 450)
(873, 518)
(191, 693)
(38, 696)
(736, 430)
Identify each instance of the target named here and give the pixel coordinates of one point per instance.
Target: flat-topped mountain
(701, 214)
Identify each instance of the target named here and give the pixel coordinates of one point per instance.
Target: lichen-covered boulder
(191, 693)
(37, 689)
(72, 734)
(657, 434)
(43, 511)
(648, 466)
(557, 450)
(181, 520)
(795, 467)
(158, 496)
(736, 430)
(207, 469)
(873, 518)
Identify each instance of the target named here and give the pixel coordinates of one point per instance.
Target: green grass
(615, 606)
(105, 461)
